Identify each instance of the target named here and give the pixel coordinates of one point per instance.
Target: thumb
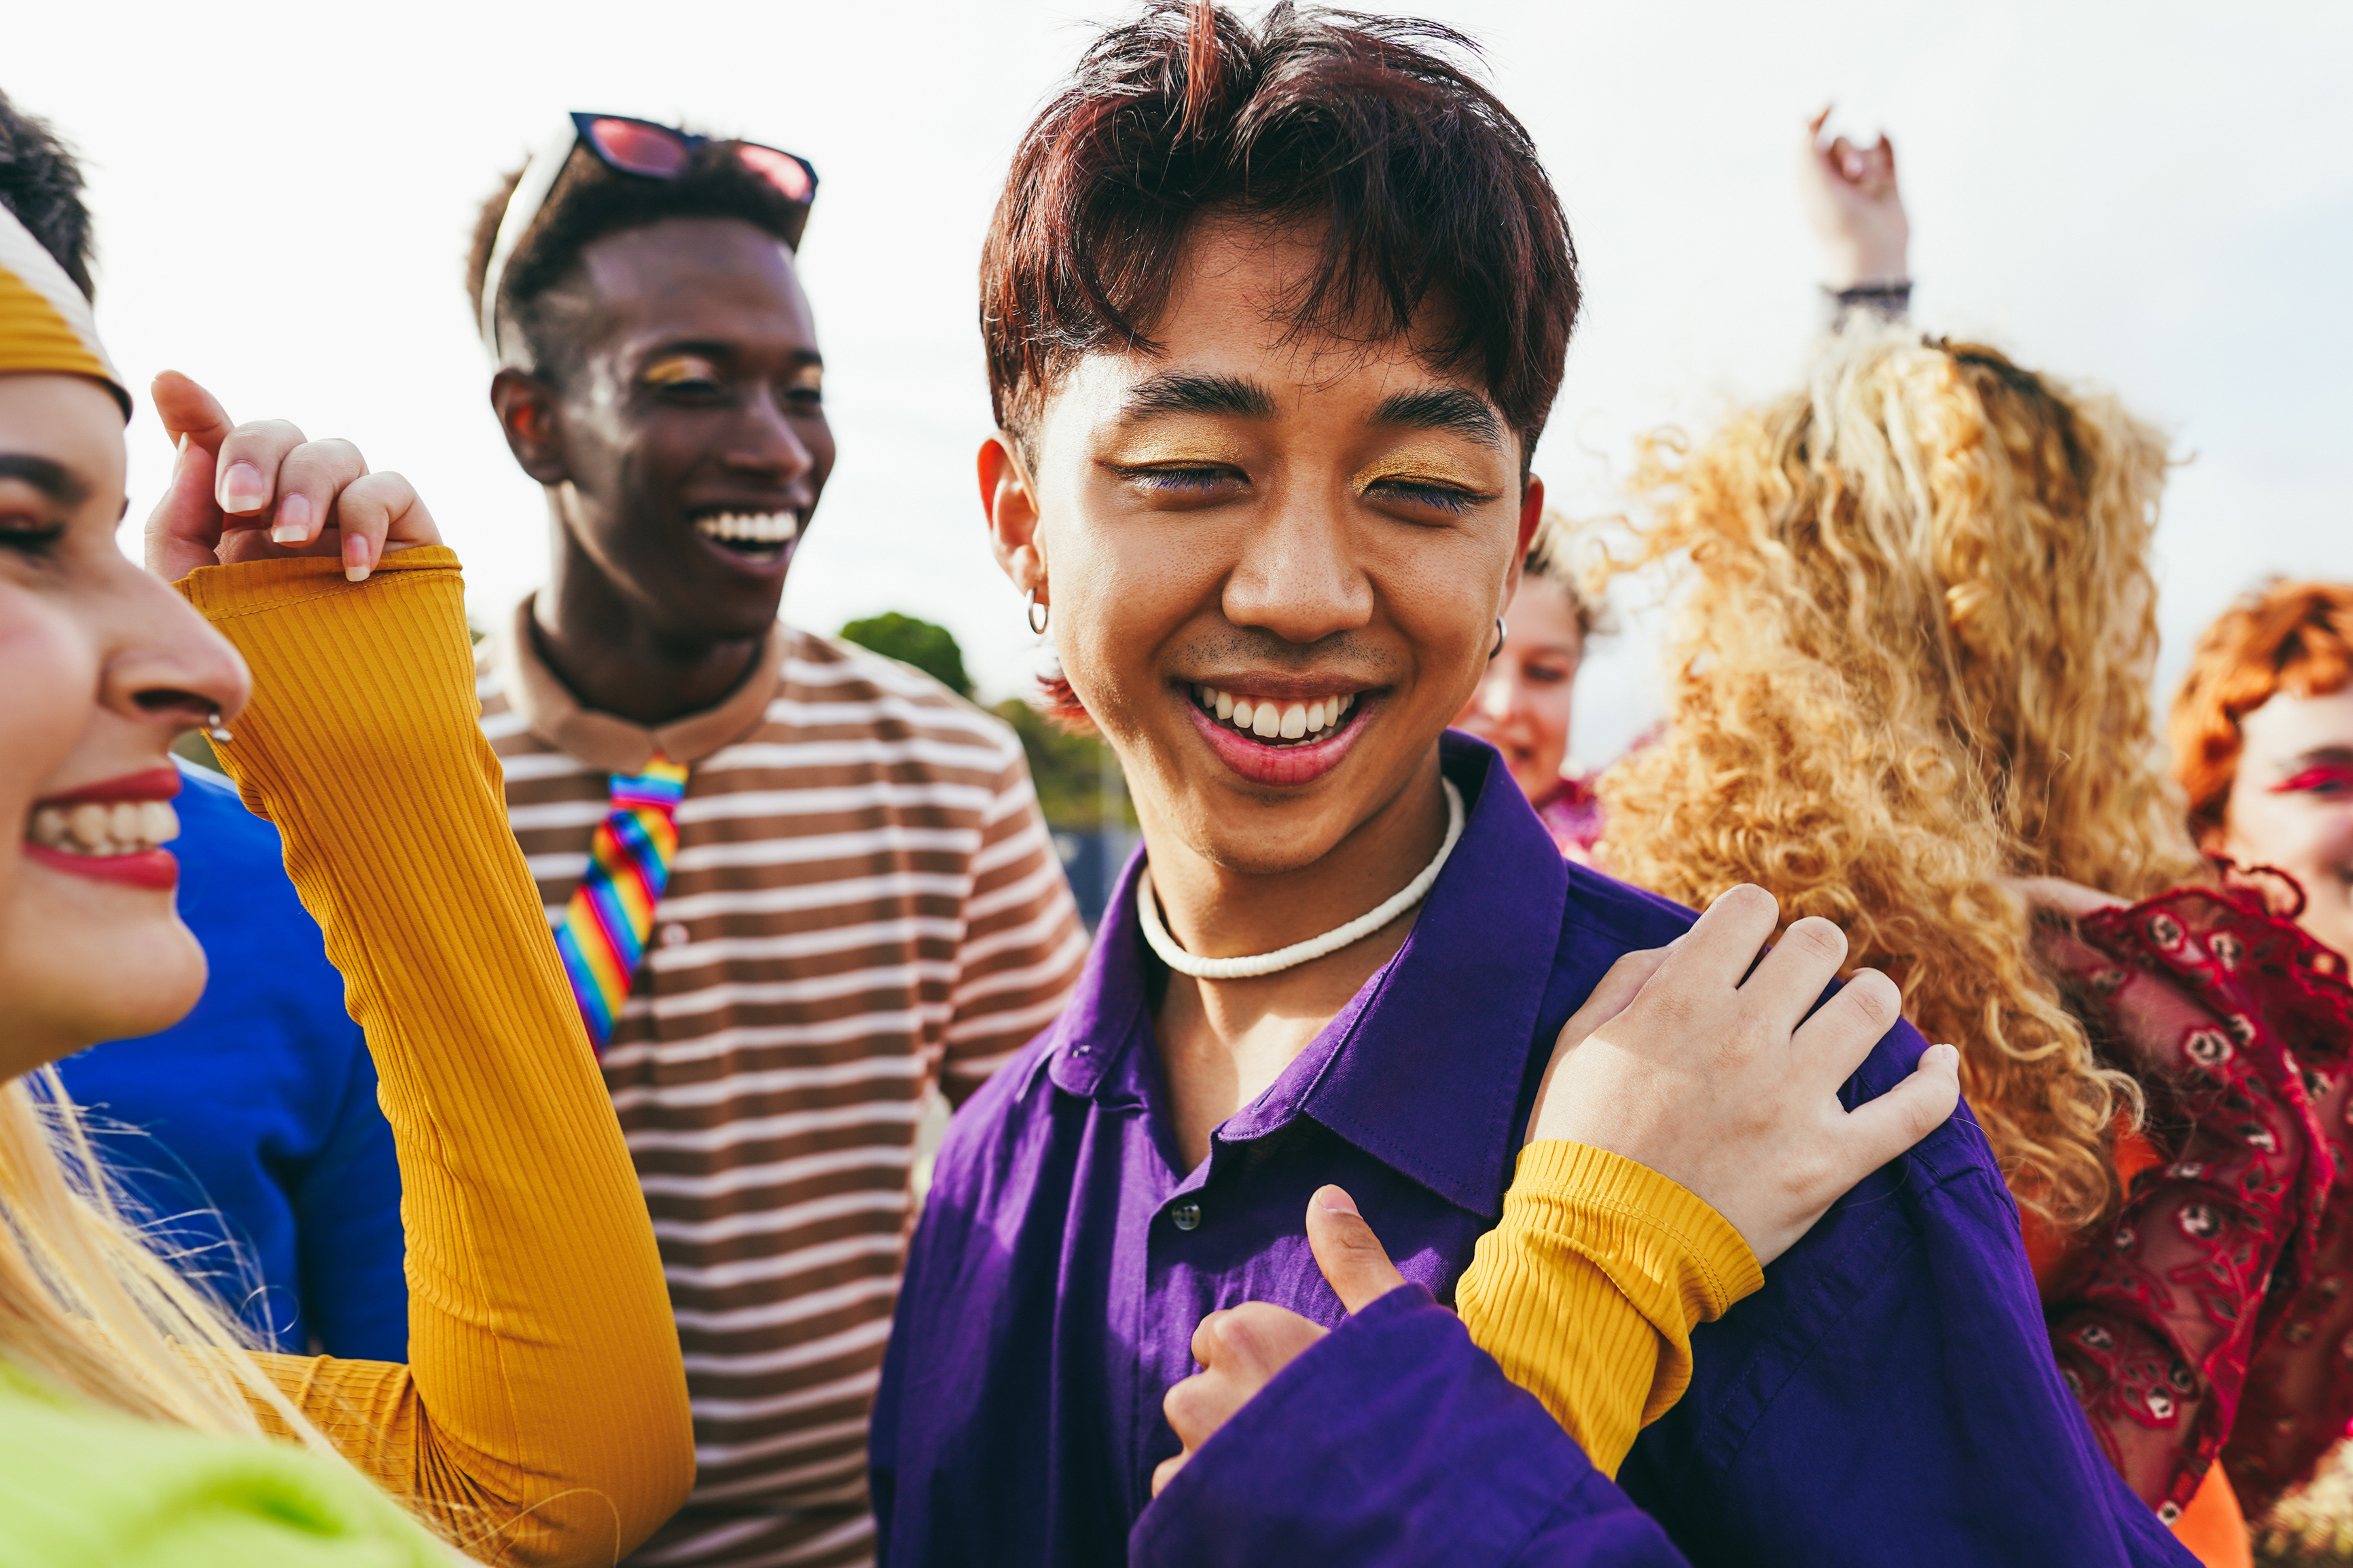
(184, 531)
(187, 409)
(1353, 1262)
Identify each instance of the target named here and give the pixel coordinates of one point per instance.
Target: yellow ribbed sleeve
(1587, 1292)
(543, 1415)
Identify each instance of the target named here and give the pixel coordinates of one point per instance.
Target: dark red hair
(2295, 637)
(1429, 189)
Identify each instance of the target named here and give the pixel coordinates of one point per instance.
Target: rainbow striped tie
(604, 931)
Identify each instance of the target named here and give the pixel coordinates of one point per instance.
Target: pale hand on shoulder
(1694, 1059)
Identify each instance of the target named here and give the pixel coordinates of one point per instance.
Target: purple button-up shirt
(1888, 1397)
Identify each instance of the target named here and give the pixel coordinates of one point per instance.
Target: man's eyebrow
(723, 348)
(52, 479)
(1185, 392)
(1446, 408)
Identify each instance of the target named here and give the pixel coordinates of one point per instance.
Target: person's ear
(1010, 501)
(526, 409)
(1532, 497)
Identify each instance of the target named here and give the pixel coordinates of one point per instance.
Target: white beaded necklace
(1156, 933)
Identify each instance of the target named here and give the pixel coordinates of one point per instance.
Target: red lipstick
(155, 869)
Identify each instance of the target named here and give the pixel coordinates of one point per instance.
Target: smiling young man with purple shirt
(1274, 316)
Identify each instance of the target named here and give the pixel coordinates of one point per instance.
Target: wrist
(1859, 260)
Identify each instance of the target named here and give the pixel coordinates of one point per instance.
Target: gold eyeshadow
(1172, 448)
(672, 369)
(1431, 464)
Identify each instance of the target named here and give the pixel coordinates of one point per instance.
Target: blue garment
(259, 1105)
(1888, 1397)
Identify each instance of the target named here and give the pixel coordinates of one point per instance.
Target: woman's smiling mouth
(113, 831)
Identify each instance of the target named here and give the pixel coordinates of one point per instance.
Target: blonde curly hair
(1911, 657)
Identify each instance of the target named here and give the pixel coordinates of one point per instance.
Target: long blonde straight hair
(1911, 657)
(90, 1308)
(91, 1311)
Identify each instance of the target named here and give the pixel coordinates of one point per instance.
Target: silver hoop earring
(1499, 640)
(1036, 612)
(214, 729)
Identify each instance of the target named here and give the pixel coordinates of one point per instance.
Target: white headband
(523, 207)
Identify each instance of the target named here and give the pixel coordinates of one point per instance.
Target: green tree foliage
(1078, 778)
(930, 649)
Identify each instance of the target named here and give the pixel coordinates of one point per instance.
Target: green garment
(85, 1487)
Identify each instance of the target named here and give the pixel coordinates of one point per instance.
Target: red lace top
(2213, 1315)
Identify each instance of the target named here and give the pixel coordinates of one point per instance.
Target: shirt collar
(1426, 1067)
(549, 710)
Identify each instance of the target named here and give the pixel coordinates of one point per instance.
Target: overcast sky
(2157, 197)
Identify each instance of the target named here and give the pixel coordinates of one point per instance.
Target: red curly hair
(2295, 637)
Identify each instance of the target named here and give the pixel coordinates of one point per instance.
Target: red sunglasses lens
(781, 170)
(639, 149)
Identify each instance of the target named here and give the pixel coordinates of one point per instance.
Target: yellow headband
(45, 323)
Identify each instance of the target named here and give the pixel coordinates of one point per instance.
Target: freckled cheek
(2335, 835)
(50, 697)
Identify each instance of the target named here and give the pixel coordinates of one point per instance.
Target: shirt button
(674, 935)
(1186, 1216)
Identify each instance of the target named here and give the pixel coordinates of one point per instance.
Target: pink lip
(154, 869)
(1283, 764)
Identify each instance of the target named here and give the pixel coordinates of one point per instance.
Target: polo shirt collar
(1426, 1066)
(548, 709)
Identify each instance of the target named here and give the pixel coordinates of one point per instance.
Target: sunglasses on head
(628, 146)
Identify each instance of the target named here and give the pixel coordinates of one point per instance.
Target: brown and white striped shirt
(864, 903)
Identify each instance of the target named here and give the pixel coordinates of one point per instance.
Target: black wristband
(1890, 299)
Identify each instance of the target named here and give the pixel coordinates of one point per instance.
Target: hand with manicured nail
(249, 492)
(1241, 1349)
(1703, 1064)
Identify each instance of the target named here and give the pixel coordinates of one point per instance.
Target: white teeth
(125, 827)
(750, 528)
(90, 824)
(1275, 720)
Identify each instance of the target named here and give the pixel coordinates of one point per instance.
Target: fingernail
(241, 490)
(1332, 1200)
(294, 522)
(355, 557)
(1946, 1055)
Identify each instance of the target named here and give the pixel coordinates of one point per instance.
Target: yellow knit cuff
(1677, 1259)
(245, 587)
(1587, 1292)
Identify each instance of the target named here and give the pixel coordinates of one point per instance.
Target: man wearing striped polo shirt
(797, 885)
